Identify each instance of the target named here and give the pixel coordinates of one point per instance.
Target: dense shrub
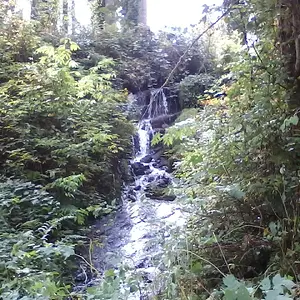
(193, 86)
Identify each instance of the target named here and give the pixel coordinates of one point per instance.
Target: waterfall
(144, 166)
(135, 234)
(158, 104)
(144, 132)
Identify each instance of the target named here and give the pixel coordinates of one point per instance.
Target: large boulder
(163, 121)
(131, 195)
(157, 190)
(161, 197)
(166, 198)
(159, 152)
(139, 168)
(146, 159)
(163, 182)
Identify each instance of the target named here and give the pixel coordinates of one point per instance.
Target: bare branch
(191, 46)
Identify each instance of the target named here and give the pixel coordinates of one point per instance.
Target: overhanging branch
(191, 46)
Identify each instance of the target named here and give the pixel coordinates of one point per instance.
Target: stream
(135, 234)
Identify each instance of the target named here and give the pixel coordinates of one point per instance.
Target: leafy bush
(58, 123)
(239, 169)
(192, 86)
(144, 59)
(63, 138)
(31, 251)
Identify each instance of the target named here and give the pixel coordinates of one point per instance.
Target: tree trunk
(71, 17)
(142, 19)
(289, 40)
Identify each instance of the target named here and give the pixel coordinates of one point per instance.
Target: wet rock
(148, 172)
(150, 178)
(163, 162)
(131, 195)
(157, 196)
(163, 197)
(139, 168)
(165, 168)
(163, 121)
(81, 277)
(141, 264)
(131, 198)
(150, 274)
(163, 182)
(220, 95)
(157, 185)
(131, 192)
(136, 144)
(147, 159)
(168, 198)
(156, 190)
(160, 130)
(158, 154)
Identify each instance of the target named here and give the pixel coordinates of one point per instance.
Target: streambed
(135, 234)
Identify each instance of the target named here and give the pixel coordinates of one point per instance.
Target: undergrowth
(64, 139)
(237, 164)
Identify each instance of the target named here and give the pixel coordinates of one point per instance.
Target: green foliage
(63, 123)
(32, 263)
(144, 59)
(276, 288)
(239, 169)
(192, 86)
(63, 136)
(116, 285)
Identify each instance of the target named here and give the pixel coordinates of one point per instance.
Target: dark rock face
(163, 162)
(131, 195)
(159, 130)
(166, 198)
(135, 144)
(147, 159)
(139, 168)
(163, 183)
(163, 121)
(156, 189)
(159, 152)
(161, 197)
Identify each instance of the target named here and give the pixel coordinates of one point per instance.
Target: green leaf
(265, 284)
(74, 46)
(110, 273)
(273, 228)
(279, 281)
(294, 120)
(243, 293)
(231, 282)
(197, 268)
(229, 294)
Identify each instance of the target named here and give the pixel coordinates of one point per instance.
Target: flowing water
(135, 234)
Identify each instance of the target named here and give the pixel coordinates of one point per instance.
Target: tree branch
(192, 44)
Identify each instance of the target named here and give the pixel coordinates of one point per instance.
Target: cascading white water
(144, 135)
(141, 226)
(158, 104)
